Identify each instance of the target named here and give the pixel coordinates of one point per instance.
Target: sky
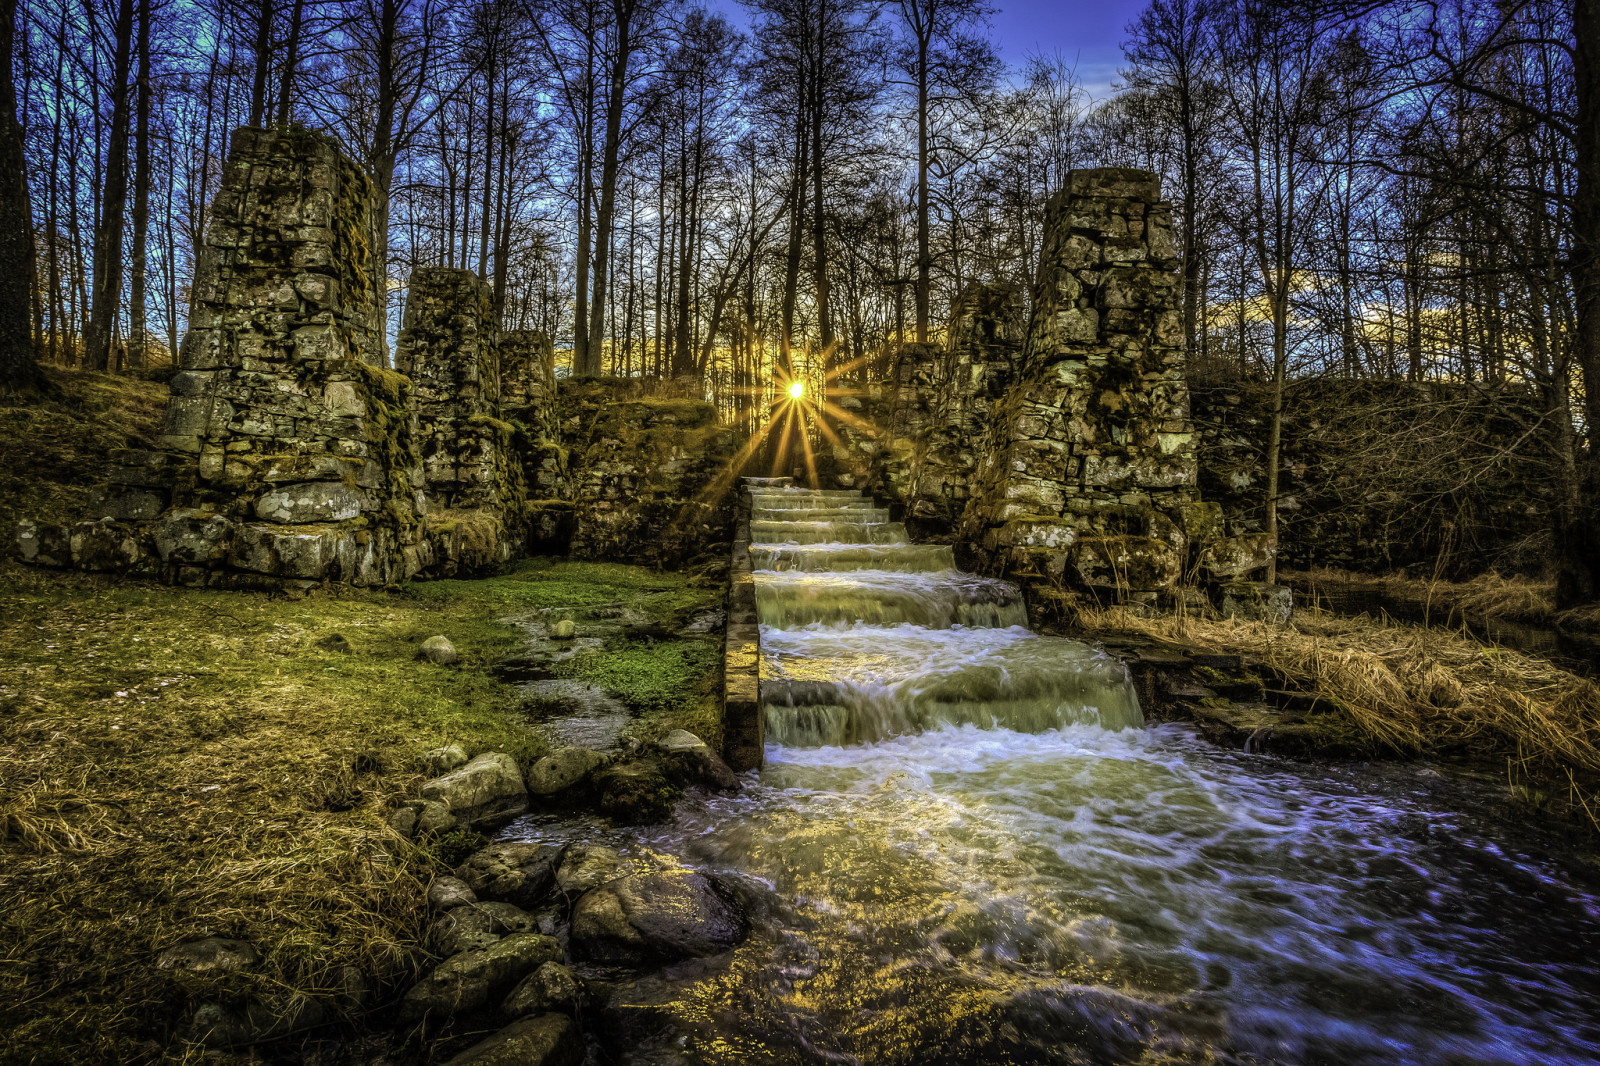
(1089, 31)
(1086, 31)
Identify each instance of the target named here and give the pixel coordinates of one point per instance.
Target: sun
(797, 389)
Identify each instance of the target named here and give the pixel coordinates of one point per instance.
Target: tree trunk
(108, 234)
(924, 256)
(610, 154)
(1580, 543)
(141, 199)
(263, 61)
(19, 368)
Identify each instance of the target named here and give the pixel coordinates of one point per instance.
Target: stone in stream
(565, 629)
(477, 925)
(489, 787)
(544, 1040)
(448, 892)
(213, 955)
(469, 981)
(438, 650)
(636, 793)
(519, 873)
(552, 987)
(587, 866)
(656, 919)
(562, 769)
(692, 761)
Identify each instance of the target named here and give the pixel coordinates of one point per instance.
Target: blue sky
(1091, 33)
(1088, 32)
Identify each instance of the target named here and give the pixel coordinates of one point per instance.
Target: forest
(1362, 190)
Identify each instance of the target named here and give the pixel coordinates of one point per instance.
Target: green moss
(660, 677)
(179, 763)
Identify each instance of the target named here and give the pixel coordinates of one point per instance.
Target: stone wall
(528, 400)
(652, 475)
(1088, 475)
(284, 456)
(472, 470)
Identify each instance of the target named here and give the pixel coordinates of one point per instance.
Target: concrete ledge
(743, 724)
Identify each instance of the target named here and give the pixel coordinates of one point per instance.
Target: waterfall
(866, 636)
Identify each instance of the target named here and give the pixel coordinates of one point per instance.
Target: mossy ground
(52, 453)
(180, 763)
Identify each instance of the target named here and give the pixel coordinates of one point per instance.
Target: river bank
(178, 764)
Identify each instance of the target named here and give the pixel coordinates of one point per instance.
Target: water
(966, 849)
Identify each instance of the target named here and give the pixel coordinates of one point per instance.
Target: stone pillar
(528, 397)
(528, 379)
(450, 348)
(1088, 477)
(284, 456)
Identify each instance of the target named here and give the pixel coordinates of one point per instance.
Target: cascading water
(866, 636)
(960, 853)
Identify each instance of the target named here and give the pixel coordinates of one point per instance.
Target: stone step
(902, 558)
(828, 533)
(819, 514)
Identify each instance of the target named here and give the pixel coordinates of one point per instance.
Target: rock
(545, 1040)
(656, 918)
(518, 873)
(438, 650)
(552, 987)
(443, 760)
(562, 769)
(334, 642)
(316, 501)
(467, 982)
(448, 892)
(636, 793)
(220, 1025)
(692, 761)
(586, 866)
(487, 788)
(213, 955)
(563, 630)
(404, 821)
(1257, 601)
(477, 925)
(434, 817)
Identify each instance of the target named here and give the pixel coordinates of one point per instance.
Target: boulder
(552, 987)
(469, 981)
(587, 866)
(544, 1040)
(438, 650)
(256, 1022)
(448, 892)
(656, 918)
(487, 788)
(636, 793)
(565, 629)
(1258, 601)
(443, 760)
(477, 925)
(518, 873)
(213, 955)
(562, 769)
(434, 817)
(404, 821)
(691, 761)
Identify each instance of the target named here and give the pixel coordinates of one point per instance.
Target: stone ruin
(1055, 447)
(286, 457)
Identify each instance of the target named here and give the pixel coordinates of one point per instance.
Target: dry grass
(1415, 689)
(52, 453)
(1489, 597)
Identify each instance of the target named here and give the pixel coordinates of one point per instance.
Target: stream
(967, 847)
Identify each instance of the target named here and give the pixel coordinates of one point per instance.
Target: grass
(1489, 597)
(46, 447)
(178, 763)
(1417, 689)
